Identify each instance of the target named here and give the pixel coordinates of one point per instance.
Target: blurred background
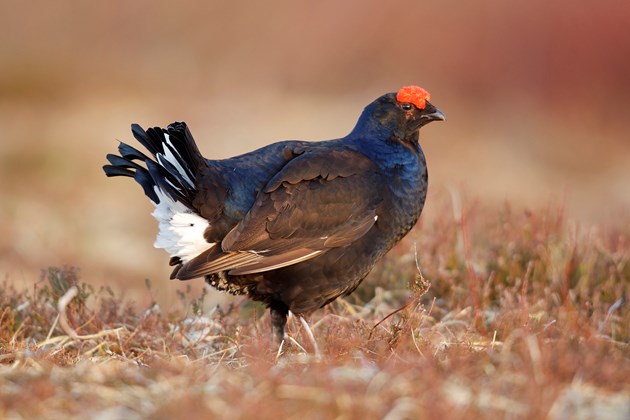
(536, 93)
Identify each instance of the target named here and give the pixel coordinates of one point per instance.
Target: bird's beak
(437, 115)
(433, 115)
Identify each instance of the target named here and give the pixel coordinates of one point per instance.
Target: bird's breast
(404, 199)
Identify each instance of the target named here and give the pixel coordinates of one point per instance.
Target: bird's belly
(309, 285)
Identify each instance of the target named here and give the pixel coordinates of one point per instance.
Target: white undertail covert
(180, 228)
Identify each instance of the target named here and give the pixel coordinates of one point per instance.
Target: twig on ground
(63, 319)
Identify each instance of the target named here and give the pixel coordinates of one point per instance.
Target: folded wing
(320, 200)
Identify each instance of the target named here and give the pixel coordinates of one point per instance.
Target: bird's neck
(368, 126)
(383, 143)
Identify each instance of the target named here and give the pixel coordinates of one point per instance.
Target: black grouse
(295, 224)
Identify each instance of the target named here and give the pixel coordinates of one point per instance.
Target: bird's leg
(278, 321)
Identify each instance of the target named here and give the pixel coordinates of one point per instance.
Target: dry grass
(517, 315)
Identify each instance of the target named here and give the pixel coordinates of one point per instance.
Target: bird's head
(400, 114)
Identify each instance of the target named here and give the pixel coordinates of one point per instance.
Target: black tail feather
(172, 170)
(167, 185)
(111, 170)
(121, 162)
(129, 152)
(185, 145)
(158, 171)
(122, 167)
(146, 138)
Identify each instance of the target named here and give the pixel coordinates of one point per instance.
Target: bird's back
(240, 178)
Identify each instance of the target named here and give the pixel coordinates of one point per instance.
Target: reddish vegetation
(536, 95)
(517, 314)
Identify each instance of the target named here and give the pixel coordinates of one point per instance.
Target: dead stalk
(63, 319)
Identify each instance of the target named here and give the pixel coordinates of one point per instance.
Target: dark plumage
(294, 224)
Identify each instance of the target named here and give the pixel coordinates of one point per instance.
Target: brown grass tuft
(518, 314)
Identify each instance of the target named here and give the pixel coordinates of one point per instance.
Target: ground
(479, 312)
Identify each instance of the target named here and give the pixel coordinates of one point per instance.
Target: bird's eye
(406, 106)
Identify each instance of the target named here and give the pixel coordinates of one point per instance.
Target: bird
(294, 224)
